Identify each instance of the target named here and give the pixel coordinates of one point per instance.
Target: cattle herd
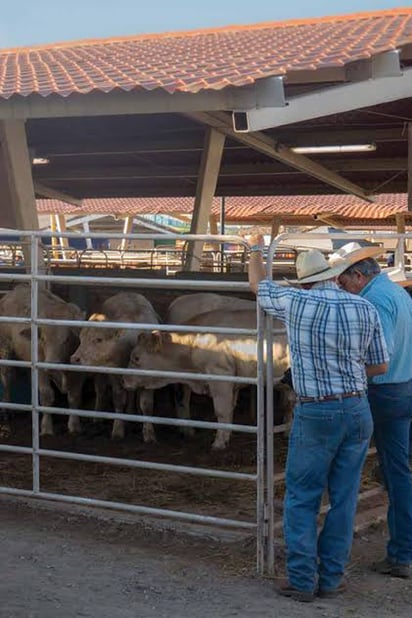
(184, 352)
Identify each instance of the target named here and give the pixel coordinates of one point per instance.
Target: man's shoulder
(356, 300)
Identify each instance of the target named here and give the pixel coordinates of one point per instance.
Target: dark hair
(367, 267)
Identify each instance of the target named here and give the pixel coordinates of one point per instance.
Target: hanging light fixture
(334, 149)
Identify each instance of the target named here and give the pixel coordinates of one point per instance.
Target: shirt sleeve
(274, 298)
(377, 351)
(387, 319)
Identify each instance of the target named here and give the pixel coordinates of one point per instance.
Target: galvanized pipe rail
(35, 278)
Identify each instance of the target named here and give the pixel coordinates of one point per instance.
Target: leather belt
(330, 397)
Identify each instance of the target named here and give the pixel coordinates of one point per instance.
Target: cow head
(149, 353)
(101, 346)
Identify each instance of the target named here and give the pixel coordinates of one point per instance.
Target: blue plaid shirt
(332, 335)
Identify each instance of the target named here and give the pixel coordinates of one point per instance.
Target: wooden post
(205, 191)
(400, 246)
(18, 204)
(213, 224)
(276, 222)
(54, 240)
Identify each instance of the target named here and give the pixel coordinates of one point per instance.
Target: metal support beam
(54, 239)
(86, 230)
(328, 101)
(43, 191)
(17, 200)
(260, 142)
(140, 102)
(205, 191)
(127, 229)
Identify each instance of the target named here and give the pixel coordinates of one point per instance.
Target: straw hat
(353, 252)
(312, 266)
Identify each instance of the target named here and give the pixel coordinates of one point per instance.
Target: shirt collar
(372, 282)
(325, 285)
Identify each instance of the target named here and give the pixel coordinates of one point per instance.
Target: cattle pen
(258, 516)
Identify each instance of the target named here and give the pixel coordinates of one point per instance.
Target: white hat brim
(329, 273)
(357, 255)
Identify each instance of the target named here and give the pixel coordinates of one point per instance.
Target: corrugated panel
(201, 60)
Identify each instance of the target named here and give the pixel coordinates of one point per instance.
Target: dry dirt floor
(65, 562)
(61, 561)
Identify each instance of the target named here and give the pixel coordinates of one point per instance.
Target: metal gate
(264, 478)
(38, 277)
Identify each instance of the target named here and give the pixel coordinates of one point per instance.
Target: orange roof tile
(201, 60)
(347, 206)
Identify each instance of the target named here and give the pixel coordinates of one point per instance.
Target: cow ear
(144, 339)
(154, 341)
(158, 339)
(26, 333)
(97, 317)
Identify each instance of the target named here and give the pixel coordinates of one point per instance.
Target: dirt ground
(65, 562)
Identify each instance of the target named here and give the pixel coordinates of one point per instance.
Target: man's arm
(256, 270)
(376, 370)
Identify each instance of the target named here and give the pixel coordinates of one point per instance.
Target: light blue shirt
(394, 306)
(332, 335)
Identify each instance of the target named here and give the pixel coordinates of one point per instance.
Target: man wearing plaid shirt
(336, 341)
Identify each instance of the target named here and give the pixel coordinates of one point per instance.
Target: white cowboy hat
(353, 252)
(312, 266)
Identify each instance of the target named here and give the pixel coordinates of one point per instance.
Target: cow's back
(17, 302)
(129, 307)
(241, 348)
(186, 307)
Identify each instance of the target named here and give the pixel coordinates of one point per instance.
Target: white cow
(185, 308)
(111, 347)
(56, 344)
(231, 355)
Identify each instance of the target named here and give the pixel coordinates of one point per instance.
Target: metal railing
(265, 479)
(37, 277)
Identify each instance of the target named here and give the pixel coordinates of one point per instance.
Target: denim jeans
(328, 444)
(391, 406)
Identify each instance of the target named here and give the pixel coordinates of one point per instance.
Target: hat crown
(354, 252)
(345, 251)
(310, 263)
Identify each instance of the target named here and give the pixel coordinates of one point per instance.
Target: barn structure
(265, 114)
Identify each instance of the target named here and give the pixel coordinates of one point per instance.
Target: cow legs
(74, 387)
(223, 396)
(146, 399)
(100, 391)
(182, 394)
(6, 378)
(120, 398)
(46, 395)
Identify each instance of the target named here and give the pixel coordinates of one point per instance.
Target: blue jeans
(391, 406)
(328, 444)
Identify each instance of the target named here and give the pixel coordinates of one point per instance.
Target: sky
(34, 22)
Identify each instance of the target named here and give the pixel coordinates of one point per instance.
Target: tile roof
(240, 208)
(201, 60)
